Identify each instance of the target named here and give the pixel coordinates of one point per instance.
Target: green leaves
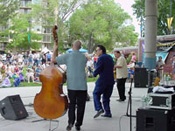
(8, 10)
(93, 21)
(164, 12)
(101, 22)
(19, 31)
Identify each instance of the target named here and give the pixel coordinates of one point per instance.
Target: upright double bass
(50, 102)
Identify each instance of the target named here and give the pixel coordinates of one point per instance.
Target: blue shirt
(104, 68)
(76, 75)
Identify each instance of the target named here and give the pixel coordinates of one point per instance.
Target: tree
(55, 12)
(165, 10)
(19, 31)
(8, 10)
(102, 22)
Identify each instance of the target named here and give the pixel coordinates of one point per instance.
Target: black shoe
(69, 127)
(98, 113)
(121, 100)
(88, 97)
(107, 115)
(77, 128)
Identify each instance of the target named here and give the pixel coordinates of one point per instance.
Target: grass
(92, 79)
(26, 84)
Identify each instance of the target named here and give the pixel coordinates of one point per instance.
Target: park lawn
(26, 84)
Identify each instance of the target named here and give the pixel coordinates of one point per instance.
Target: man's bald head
(76, 45)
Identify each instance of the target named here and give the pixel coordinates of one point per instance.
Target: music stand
(130, 105)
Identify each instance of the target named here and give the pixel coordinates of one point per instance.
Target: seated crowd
(26, 69)
(14, 74)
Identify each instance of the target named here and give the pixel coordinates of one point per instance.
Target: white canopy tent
(45, 50)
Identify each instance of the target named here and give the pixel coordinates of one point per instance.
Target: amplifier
(161, 101)
(140, 77)
(155, 120)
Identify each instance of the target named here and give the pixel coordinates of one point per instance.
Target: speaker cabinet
(155, 120)
(140, 77)
(12, 108)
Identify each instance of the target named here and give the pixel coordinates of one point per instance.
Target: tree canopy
(20, 32)
(102, 22)
(55, 12)
(93, 21)
(8, 10)
(166, 9)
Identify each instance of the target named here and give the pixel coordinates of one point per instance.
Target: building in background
(44, 30)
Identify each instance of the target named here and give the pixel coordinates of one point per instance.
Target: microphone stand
(130, 105)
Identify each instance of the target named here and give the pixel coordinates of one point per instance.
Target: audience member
(89, 66)
(159, 67)
(133, 57)
(30, 75)
(6, 82)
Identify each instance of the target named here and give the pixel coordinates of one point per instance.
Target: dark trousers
(90, 71)
(77, 102)
(121, 88)
(106, 91)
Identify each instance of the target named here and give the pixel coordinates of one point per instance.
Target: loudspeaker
(155, 120)
(12, 108)
(140, 77)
